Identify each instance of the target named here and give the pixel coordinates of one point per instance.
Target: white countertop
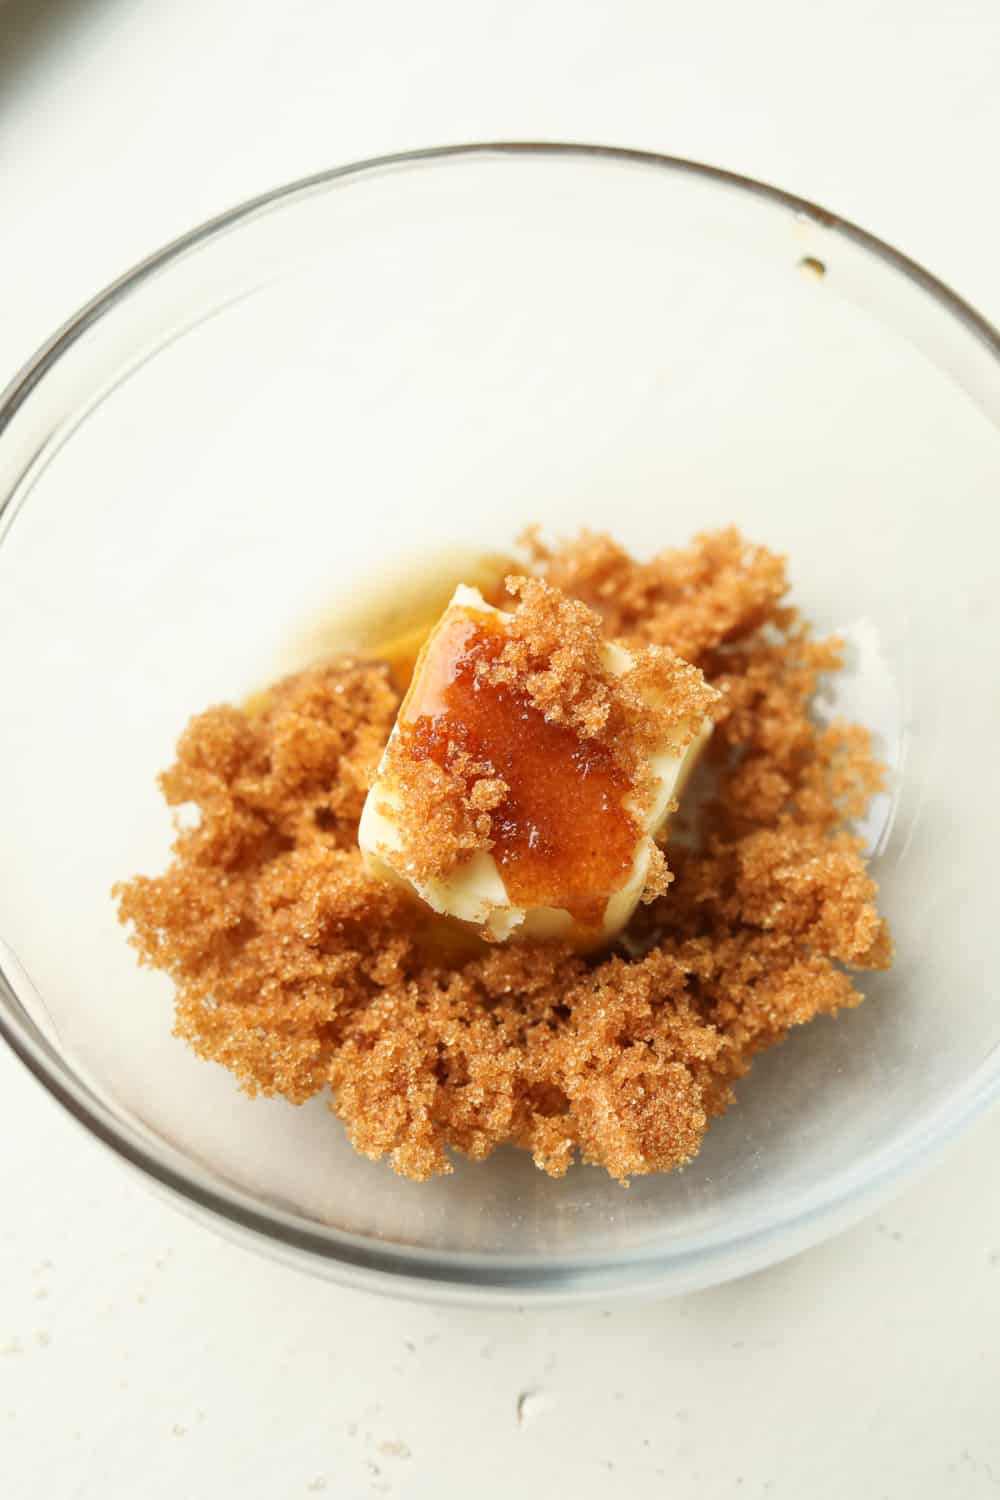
(139, 1355)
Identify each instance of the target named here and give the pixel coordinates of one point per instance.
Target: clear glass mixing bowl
(431, 351)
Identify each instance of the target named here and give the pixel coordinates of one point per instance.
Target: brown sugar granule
(553, 650)
(446, 807)
(694, 599)
(300, 974)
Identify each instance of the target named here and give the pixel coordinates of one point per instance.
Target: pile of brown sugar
(300, 974)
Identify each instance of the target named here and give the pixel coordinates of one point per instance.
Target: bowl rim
(396, 1267)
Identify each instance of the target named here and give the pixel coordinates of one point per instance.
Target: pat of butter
(474, 891)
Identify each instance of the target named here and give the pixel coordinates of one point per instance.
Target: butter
(474, 890)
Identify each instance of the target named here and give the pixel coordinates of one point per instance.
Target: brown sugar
(301, 975)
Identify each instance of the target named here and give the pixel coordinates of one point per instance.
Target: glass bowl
(430, 351)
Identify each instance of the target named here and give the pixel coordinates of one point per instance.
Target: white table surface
(140, 1357)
